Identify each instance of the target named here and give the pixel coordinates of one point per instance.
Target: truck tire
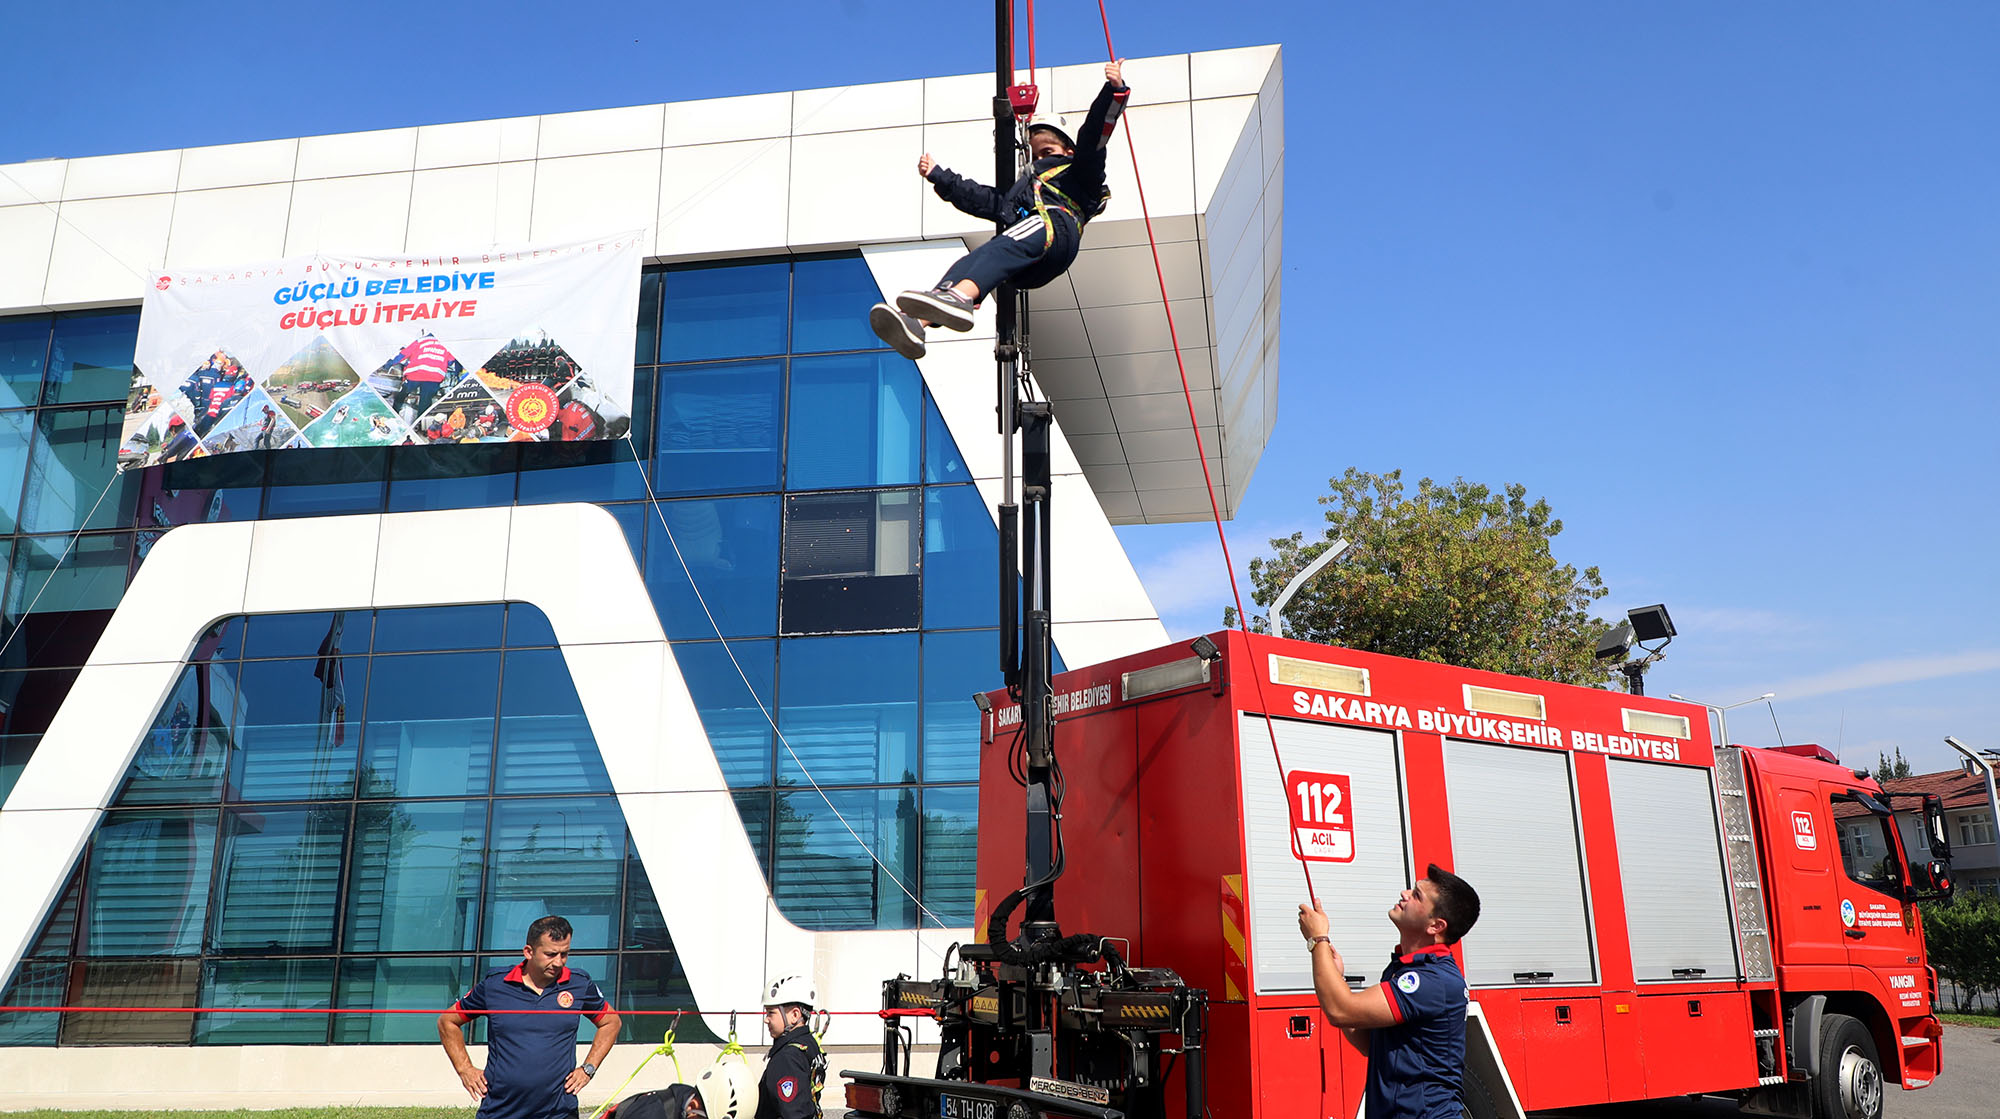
(1850, 1084)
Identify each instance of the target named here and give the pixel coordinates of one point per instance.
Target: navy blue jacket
(1082, 181)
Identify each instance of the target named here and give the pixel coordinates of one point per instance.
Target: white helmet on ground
(728, 1090)
(791, 989)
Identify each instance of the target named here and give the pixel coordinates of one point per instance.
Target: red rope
(365, 1010)
(1031, 39)
(1201, 452)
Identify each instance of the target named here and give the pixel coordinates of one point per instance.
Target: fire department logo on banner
(1322, 817)
(1802, 832)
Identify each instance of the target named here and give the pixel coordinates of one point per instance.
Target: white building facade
(321, 731)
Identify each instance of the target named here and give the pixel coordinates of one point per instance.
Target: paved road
(1968, 1089)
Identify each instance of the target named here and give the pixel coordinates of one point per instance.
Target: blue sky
(1720, 281)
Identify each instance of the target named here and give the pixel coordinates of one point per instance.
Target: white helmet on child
(790, 989)
(728, 1090)
(1056, 124)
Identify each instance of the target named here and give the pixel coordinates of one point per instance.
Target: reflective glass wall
(806, 527)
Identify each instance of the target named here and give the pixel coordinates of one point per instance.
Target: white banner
(498, 345)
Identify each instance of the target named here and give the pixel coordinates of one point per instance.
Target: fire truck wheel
(1850, 1073)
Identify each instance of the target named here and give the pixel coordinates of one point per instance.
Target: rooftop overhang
(798, 172)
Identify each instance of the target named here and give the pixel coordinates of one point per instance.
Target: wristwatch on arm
(589, 1069)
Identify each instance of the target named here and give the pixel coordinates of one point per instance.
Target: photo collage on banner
(526, 344)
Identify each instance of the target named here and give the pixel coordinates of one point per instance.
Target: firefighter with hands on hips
(1048, 206)
(531, 1068)
(1413, 1021)
(795, 1070)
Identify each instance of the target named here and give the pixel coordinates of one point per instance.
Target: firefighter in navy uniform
(795, 1070)
(1063, 189)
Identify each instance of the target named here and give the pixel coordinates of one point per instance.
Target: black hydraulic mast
(1027, 653)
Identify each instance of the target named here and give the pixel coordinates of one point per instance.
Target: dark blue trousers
(1025, 255)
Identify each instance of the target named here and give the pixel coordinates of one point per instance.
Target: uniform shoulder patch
(788, 1088)
(1408, 982)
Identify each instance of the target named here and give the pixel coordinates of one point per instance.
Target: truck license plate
(966, 1107)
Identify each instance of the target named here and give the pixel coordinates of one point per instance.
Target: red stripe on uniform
(1395, 1011)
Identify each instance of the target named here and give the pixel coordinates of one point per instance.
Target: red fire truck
(1661, 915)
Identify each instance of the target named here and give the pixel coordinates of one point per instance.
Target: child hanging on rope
(1063, 189)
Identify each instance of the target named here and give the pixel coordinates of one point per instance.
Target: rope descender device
(1024, 98)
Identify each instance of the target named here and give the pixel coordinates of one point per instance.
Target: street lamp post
(1285, 596)
(1986, 767)
(1721, 712)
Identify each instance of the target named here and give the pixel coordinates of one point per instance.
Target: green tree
(1456, 573)
(1887, 768)
(1962, 940)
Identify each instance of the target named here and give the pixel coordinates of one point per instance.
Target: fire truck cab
(1661, 915)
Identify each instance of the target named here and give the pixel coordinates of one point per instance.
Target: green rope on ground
(665, 1047)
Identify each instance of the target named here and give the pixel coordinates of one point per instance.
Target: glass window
(327, 633)
(599, 471)
(198, 491)
(222, 642)
(297, 731)
(848, 727)
(24, 346)
(951, 841)
(311, 483)
(1868, 847)
(58, 937)
(830, 302)
(459, 476)
(413, 882)
(252, 984)
(555, 855)
(719, 427)
(30, 698)
(90, 357)
(824, 877)
(148, 884)
(73, 479)
(754, 808)
(1975, 828)
(856, 420)
(655, 981)
(723, 310)
(398, 984)
(955, 666)
(186, 751)
(280, 884)
(850, 561)
(16, 432)
(34, 984)
(426, 629)
(645, 925)
(942, 461)
(528, 626)
(961, 584)
(430, 724)
(545, 740)
(731, 547)
(132, 983)
(91, 578)
(648, 350)
(737, 729)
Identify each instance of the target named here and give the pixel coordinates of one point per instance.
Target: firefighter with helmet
(795, 1070)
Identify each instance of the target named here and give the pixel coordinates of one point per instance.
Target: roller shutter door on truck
(1514, 838)
(1356, 893)
(1670, 858)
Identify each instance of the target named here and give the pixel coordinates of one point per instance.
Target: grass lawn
(1990, 1021)
(288, 1113)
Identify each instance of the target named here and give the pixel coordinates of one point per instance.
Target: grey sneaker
(904, 334)
(942, 306)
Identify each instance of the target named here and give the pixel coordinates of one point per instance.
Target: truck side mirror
(1929, 881)
(1934, 828)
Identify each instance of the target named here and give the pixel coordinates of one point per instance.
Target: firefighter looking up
(1413, 1021)
(1063, 189)
(795, 1070)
